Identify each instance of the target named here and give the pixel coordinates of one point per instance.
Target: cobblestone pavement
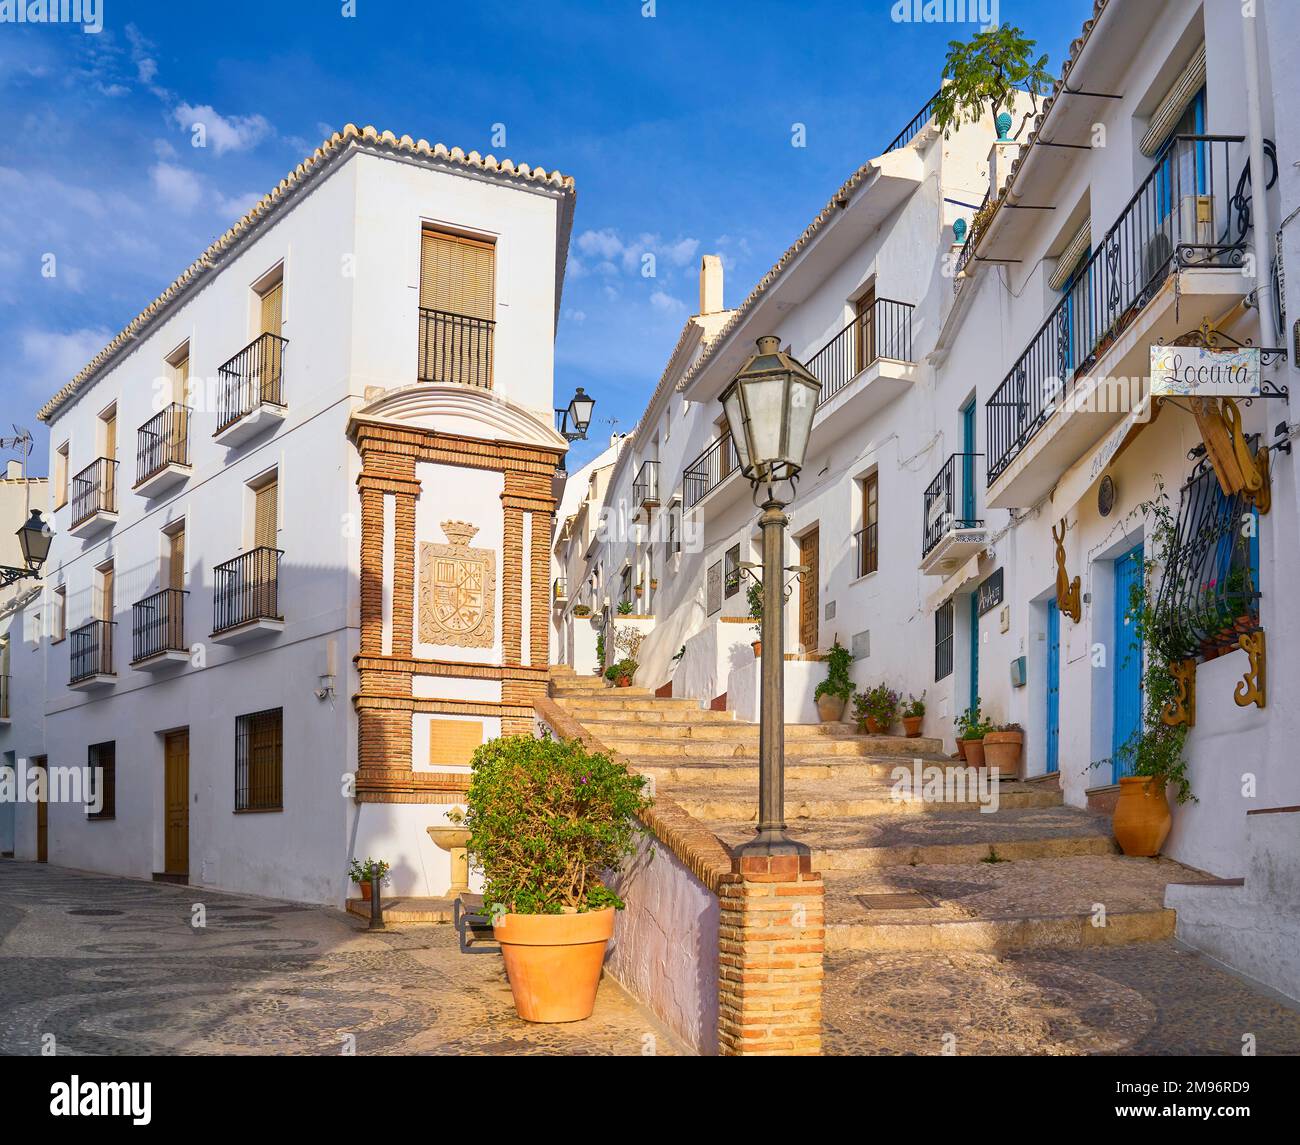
(1144, 998)
(114, 966)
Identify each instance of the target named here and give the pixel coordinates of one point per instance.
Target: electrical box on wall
(861, 645)
(1018, 672)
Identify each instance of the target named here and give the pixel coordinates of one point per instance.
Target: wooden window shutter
(265, 507)
(271, 309)
(457, 275)
(176, 559)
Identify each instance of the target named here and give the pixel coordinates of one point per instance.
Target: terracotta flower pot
(912, 726)
(553, 962)
(624, 681)
(365, 890)
(1142, 818)
(961, 749)
(1002, 750)
(830, 708)
(974, 752)
(874, 727)
(757, 645)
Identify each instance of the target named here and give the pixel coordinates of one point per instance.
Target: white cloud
(50, 358)
(617, 254)
(178, 188)
(575, 315)
(682, 251)
(604, 243)
(223, 133)
(666, 303)
(234, 206)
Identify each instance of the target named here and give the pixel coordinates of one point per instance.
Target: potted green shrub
(621, 672)
(361, 874)
(548, 820)
(913, 713)
(834, 692)
(625, 608)
(754, 594)
(1003, 745)
(876, 709)
(582, 611)
(970, 729)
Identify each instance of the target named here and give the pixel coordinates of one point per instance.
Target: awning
(1072, 255)
(1084, 474)
(1171, 108)
(954, 584)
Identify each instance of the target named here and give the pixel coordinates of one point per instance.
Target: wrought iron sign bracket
(1068, 598)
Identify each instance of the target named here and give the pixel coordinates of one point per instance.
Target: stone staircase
(902, 873)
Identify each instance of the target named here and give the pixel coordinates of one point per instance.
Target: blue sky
(677, 128)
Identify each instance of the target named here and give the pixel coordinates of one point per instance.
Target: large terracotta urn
(553, 962)
(1142, 819)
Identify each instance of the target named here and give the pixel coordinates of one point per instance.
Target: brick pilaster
(512, 587)
(771, 939)
(540, 595)
(404, 562)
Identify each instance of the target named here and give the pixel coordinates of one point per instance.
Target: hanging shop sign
(989, 593)
(1203, 371)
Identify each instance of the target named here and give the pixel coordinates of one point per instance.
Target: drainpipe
(1262, 239)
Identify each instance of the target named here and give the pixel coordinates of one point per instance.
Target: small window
(674, 530)
(102, 790)
(178, 374)
(869, 537)
(943, 641)
(61, 476)
(259, 761)
(58, 614)
(731, 571)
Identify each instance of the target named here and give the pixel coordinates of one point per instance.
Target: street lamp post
(769, 406)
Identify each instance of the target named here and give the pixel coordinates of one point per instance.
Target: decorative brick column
(771, 939)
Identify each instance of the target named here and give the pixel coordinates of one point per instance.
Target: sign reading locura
(1201, 371)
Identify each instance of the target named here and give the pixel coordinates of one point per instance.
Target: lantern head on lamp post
(769, 406)
(34, 541)
(577, 417)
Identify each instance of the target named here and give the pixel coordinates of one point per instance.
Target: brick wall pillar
(771, 938)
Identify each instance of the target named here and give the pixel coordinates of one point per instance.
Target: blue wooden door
(1127, 711)
(1053, 686)
(974, 648)
(967, 501)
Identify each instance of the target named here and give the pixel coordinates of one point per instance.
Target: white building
(303, 508)
(1006, 408)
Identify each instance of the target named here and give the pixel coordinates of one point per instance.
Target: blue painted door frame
(967, 501)
(1126, 713)
(974, 648)
(1053, 686)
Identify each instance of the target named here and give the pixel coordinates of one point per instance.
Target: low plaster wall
(712, 655)
(801, 680)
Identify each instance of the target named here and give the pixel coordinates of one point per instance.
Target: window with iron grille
(731, 580)
(943, 626)
(869, 544)
(674, 534)
(259, 761)
(102, 761)
(625, 586)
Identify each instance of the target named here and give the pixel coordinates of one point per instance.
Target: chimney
(14, 470)
(710, 284)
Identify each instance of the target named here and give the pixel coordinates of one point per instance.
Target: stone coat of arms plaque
(458, 590)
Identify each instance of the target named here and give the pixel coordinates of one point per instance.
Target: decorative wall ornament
(458, 590)
(1252, 688)
(1181, 708)
(1069, 599)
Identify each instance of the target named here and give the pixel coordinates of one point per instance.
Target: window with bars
(943, 630)
(625, 586)
(457, 309)
(869, 538)
(101, 758)
(259, 761)
(731, 577)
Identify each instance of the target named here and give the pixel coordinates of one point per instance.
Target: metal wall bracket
(1252, 688)
(1181, 708)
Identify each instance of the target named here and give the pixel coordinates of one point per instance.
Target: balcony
(456, 348)
(250, 391)
(1172, 258)
(560, 590)
(865, 366)
(91, 655)
(162, 452)
(94, 498)
(246, 596)
(703, 475)
(951, 533)
(867, 542)
(645, 489)
(158, 630)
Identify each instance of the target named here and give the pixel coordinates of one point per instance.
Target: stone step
(596, 715)
(995, 907)
(705, 773)
(747, 748)
(729, 729)
(943, 837)
(728, 803)
(612, 702)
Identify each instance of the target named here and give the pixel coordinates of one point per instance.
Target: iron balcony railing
(918, 121)
(252, 378)
(94, 490)
(158, 624)
(456, 348)
(968, 247)
(645, 489)
(883, 330)
(1185, 214)
(4, 697)
(162, 441)
(246, 589)
(950, 500)
(91, 650)
(718, 462)
(868, 543)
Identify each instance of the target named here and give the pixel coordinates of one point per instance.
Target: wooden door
(42, 818)
(865, 337)
(808, 591)
(106, 593)
(272, 322)
(176, 581)
(176, 796)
